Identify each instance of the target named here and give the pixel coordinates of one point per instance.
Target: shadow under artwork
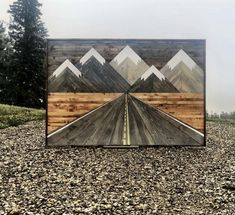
(125, 92)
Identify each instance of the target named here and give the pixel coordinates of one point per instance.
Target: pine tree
(2, 56)
(5, 54)
(28, 34)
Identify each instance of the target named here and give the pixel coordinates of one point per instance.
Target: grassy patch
(226, 121)
(13, 115)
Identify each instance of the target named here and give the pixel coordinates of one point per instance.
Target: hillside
(13, 115)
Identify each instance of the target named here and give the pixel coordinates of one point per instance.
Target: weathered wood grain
(153, 52)
(163, 129)
(104, 126)
(66, 107)
(146, 126)
(139, 129)
(187, 107)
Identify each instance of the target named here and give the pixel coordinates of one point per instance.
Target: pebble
(161, 180)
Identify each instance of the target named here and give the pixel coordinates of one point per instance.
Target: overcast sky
(213, 20)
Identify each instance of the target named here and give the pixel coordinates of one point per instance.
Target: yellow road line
(124, 138)
(127, 124)
(126, 129)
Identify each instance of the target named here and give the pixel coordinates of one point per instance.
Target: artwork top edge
(127, 39)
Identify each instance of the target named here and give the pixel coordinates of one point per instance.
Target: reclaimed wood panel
(187, 107)
(104, 126)
(153, 52)
(66, 107)
(147, 126)
(154, 127)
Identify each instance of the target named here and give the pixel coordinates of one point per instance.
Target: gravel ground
(175, 180)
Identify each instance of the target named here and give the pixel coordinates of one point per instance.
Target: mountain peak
(66, 64)
(184, 73)
(127, 52)
(155, 71)
(181, 55)
(92, 53)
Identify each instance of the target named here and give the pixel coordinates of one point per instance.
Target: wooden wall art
(125, 92)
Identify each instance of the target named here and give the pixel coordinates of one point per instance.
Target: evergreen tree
(2, 57)
(5, 54)
(28, 34)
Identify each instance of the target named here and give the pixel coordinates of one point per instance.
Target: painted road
(126, 121)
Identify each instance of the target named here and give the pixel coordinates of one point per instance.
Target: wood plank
(139, 131)
(94, 128)
(153, 52)
(187, 107)
(65, 107)
(164, 129)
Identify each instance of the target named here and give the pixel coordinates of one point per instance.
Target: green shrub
(14, 116)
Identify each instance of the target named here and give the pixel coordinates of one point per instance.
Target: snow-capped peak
(155, 71)
(66, 64)
(127, 52)
(181, 56)
(89, 54)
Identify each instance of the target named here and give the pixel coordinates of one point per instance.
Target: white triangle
(92, 53)
(127, 52)
(152, 70)
(181, 56)
(66, 64)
